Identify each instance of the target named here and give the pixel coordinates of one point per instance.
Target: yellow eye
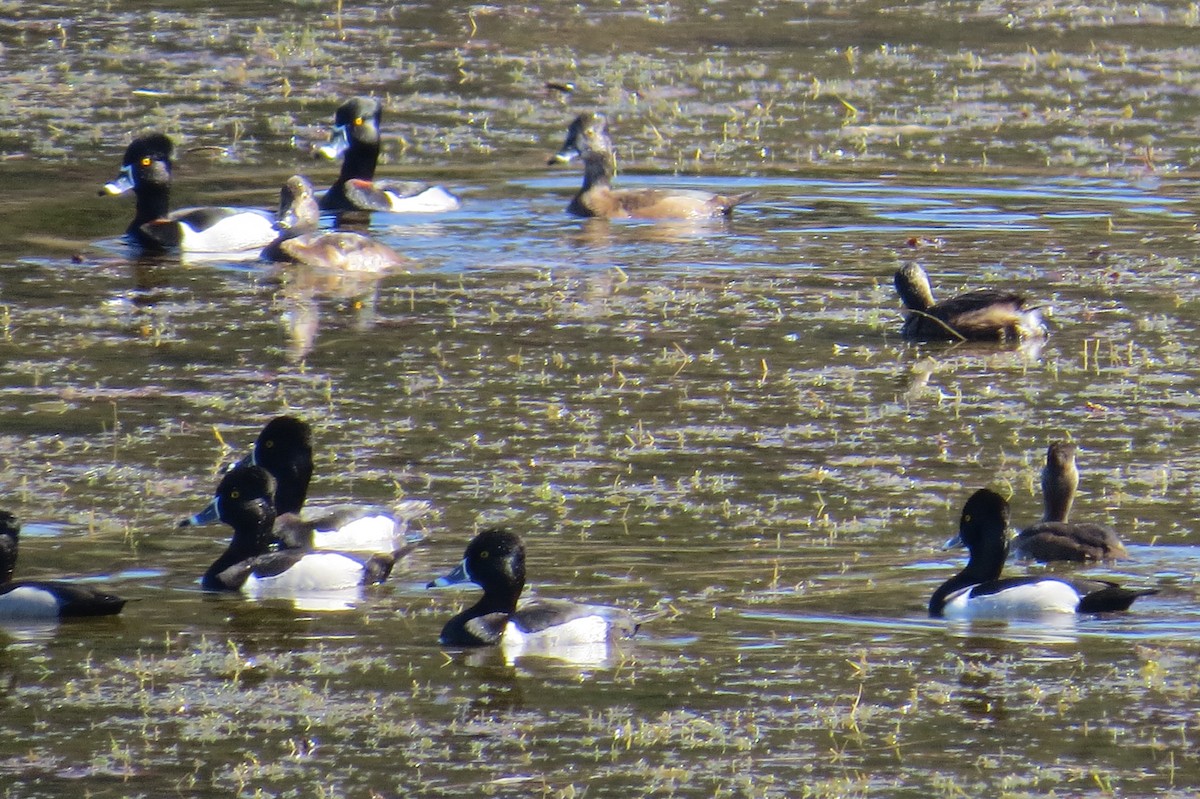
(966, 517)
(270, 444)
(234, 494)
(483, 555)
(147, 161)
(358, 120)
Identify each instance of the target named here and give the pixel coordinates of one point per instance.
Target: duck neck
(359, 161)
(598, 170)
(292, 488)
(8, 557)
(984, 565)
(252, 536)
(913, 287)
(1058, 492)
(153, 202)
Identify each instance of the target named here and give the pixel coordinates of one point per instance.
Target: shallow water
(716, 423)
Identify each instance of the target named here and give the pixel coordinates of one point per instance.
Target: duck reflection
(302, 292)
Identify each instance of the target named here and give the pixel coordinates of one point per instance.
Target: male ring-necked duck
(146, 169)
(978, 591)
(44, 599)
(284, 449)
(356, 137)
(495, 561)
(587, 138)
(300, 242)
(984, 315)
(244, 502)
(1056, 538)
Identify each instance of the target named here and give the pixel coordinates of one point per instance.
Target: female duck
(1055, 538)
(587, 138)
(979, 592)
(244, 502)
(284, 449)
(146, 170)
(300, 242)
(28, 600)
(985, 315)
(356, 137)
(495, 561)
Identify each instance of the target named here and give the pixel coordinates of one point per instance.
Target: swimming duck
(146, 170)
(244, 502)
(1055, 538)
(356, 137)
(284, 449)
(300, 242)
(495, 561)
(44, 599)
(978, 315)
(978, 591)
(587, 138)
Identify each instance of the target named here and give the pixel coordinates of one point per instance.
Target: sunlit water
(715, 424)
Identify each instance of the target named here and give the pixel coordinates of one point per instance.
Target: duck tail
(1112, 597)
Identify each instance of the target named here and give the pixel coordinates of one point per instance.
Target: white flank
(27, 602)
(248, 230)
(430, 201)
(582, 642)
(376, 533)
(317, 571)
(1031, 599)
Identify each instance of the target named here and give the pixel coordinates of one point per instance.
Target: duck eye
(484, 555)
(358, 121)
(146, 160)
(966, 517)
(269, 444)
(234, 494)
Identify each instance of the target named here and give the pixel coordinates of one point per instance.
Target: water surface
(718, 423)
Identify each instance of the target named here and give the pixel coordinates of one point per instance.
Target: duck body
(39, 600)
(249, 565)
(1055, 538)
(495, 561)
(588, 139)
(979, 592)
(146, 171)
(985, 315)
(355, 139)
(284, 450)
(301, 242)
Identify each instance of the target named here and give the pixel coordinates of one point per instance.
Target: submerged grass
(720, 424)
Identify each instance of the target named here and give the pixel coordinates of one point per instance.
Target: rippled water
(717, 423)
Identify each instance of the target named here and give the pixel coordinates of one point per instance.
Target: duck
(495, 561)
(978, 591)
(587, 139)
(284, 449)
(984, 315)
(1055, 538)
(300, 242)
(34, 600)
(355, 139)
(244, 501)
(146, 170)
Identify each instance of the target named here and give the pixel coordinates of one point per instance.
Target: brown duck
(588, 139)
(1055, 538)
(985, 315)
(300, 241)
